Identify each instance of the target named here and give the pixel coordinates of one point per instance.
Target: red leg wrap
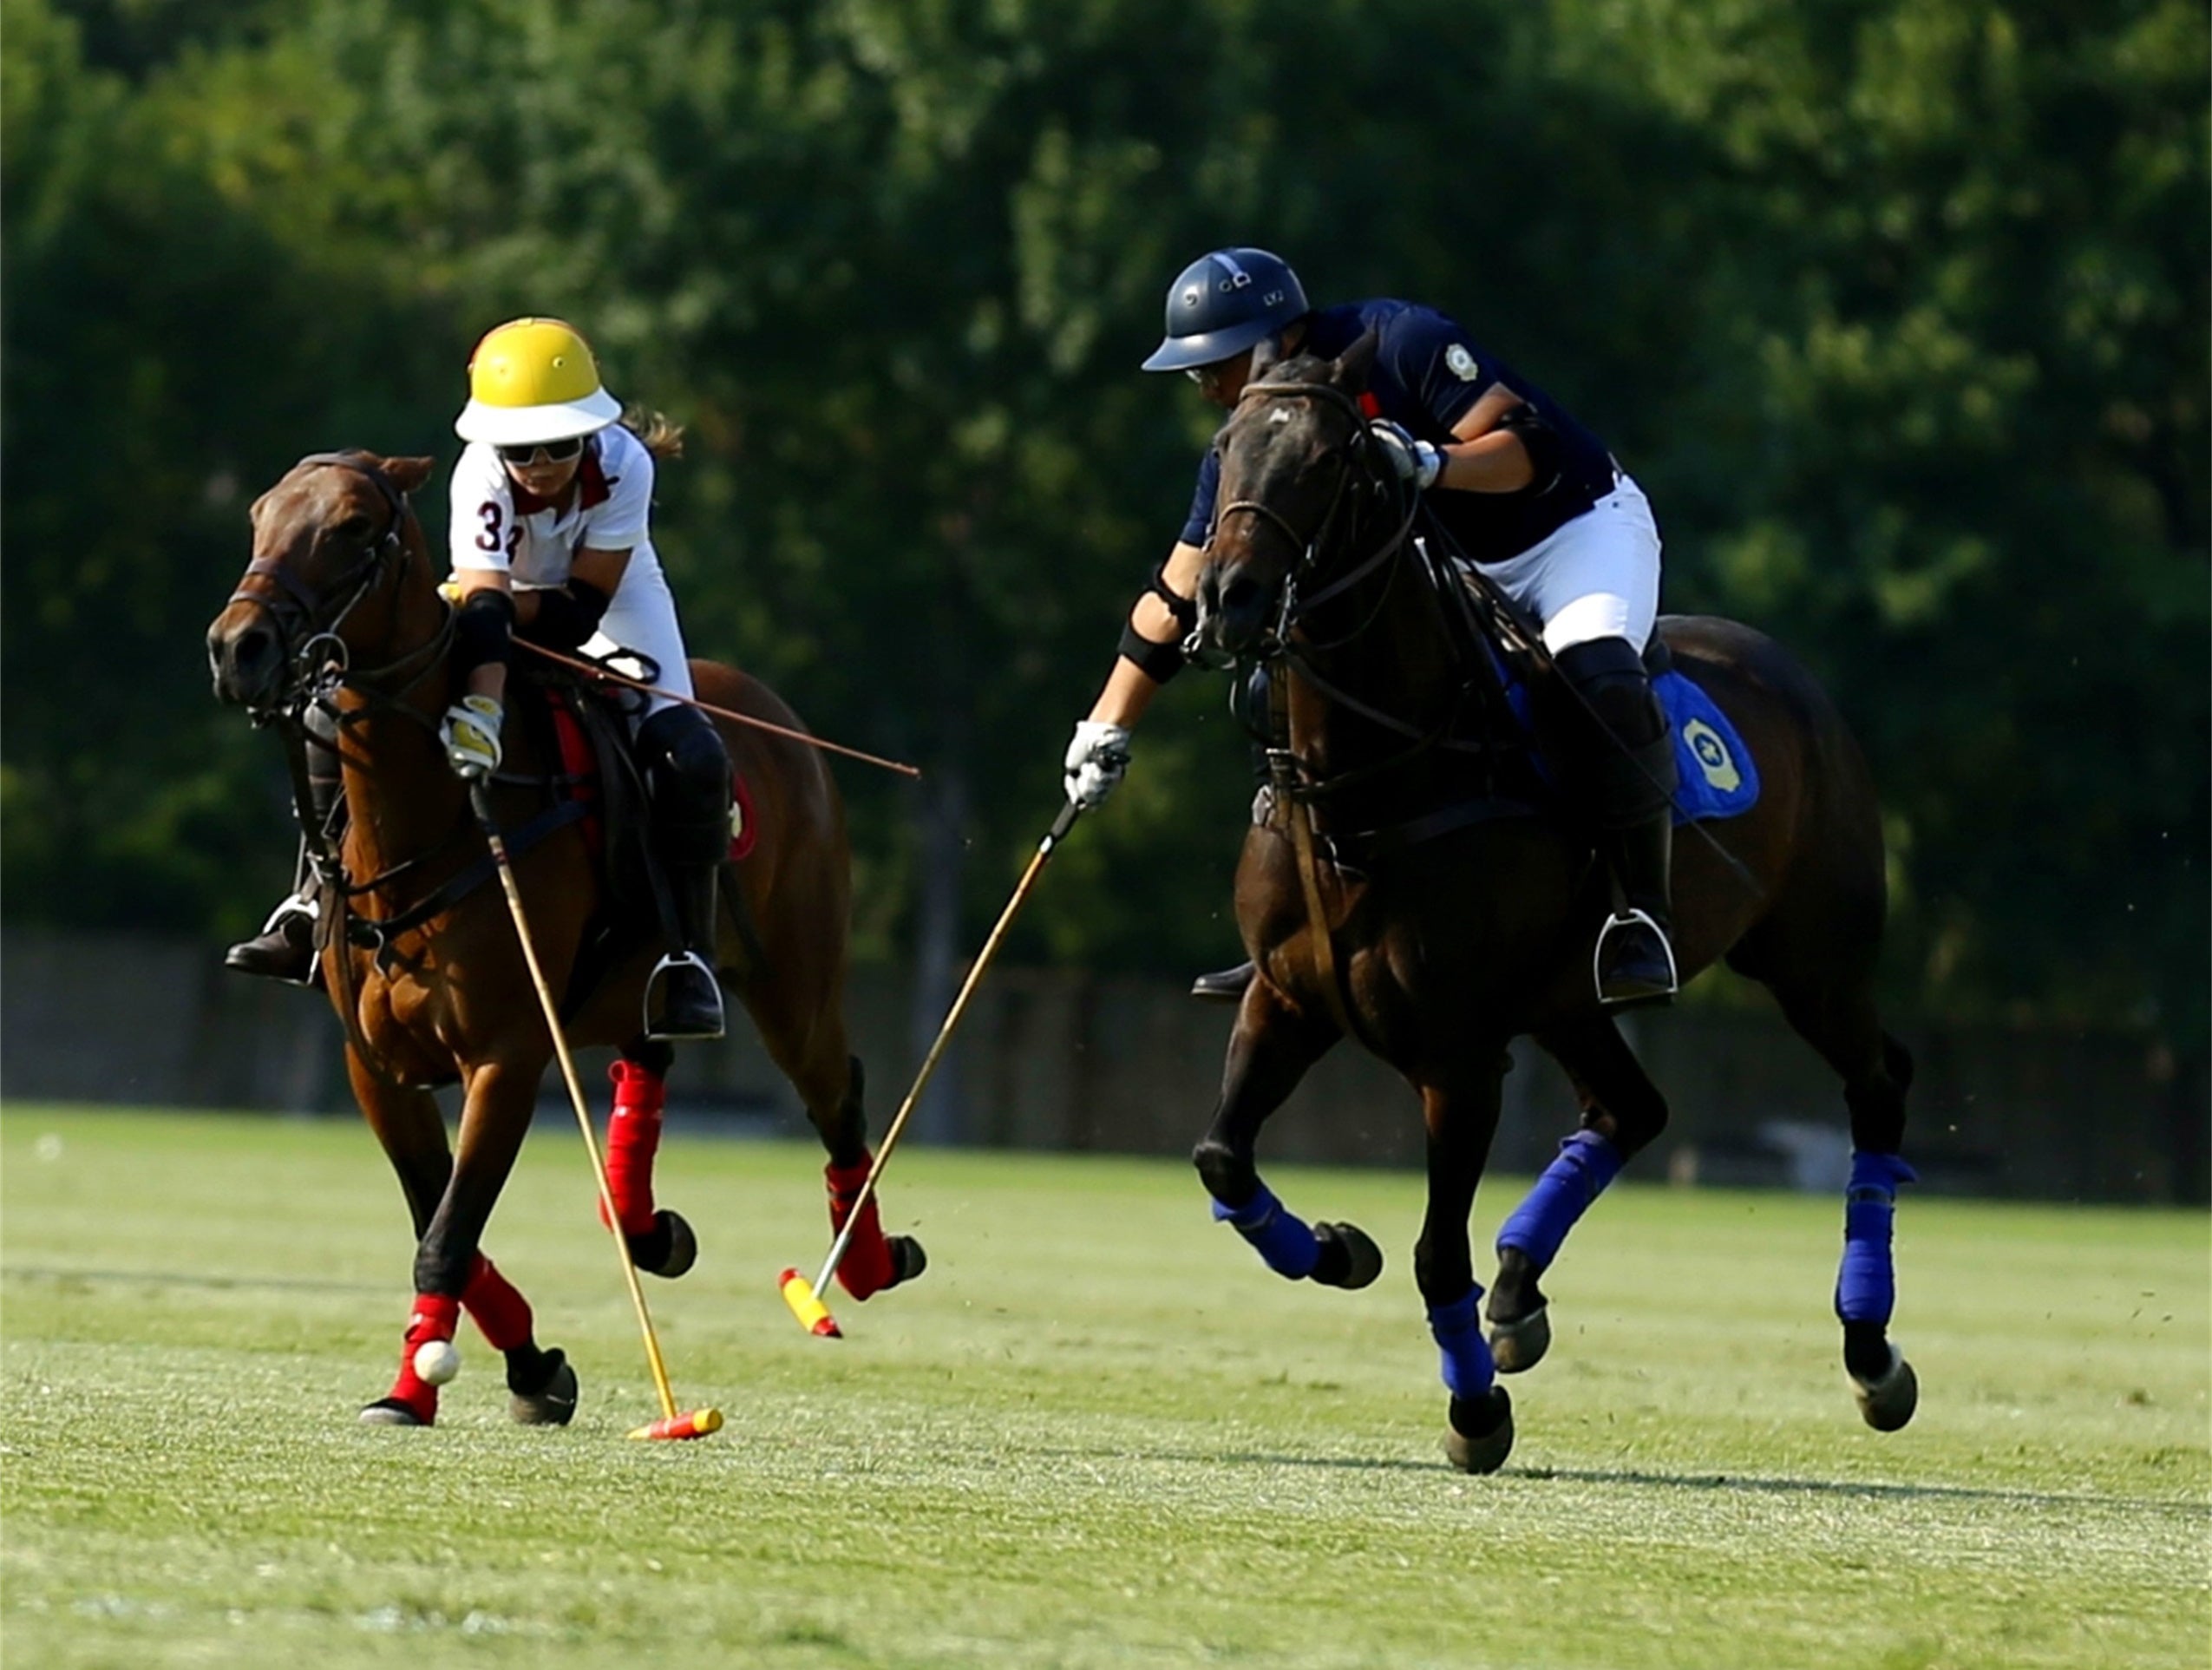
(866, 1267)
(633, 1139)
(501, 1314)
(436, 1317)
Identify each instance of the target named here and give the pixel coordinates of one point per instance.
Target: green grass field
(1096, 1432)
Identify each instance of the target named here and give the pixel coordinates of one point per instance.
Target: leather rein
(1297, 786)
(318, 669)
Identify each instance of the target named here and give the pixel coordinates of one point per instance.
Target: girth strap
(1369, 845)
(377, 934)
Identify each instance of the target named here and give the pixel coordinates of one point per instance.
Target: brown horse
(340, 604)
(1415, 885)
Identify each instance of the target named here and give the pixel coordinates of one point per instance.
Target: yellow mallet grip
(813, 1315)
(696, 1424)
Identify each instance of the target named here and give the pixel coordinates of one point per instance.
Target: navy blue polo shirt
(1428, 373)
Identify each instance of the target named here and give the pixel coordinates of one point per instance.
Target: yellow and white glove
(471, 735)
(1096, 759)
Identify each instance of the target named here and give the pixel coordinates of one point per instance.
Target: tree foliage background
(1897, 307)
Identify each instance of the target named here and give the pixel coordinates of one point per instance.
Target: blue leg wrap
(1286, 1241)
(1866, 1286)
(1468, 1368)
(1586, 1162)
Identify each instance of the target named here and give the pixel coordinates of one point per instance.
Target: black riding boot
(689, 773)
(1223, 986)
(1615, 758)
(1634, 961)
(285, 949)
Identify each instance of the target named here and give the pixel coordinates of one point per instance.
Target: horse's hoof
(1480, 1436)
(1888, 1403)
(1349, 1259)
(552, 1403)
(390, 1411)
(667, 1249)
(907, 1259)
(1520, 1346)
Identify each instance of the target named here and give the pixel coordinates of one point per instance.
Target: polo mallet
(606, 674)
(804, 1298)
(673, 1424)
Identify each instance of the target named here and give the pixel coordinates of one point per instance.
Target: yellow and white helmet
(532, 382)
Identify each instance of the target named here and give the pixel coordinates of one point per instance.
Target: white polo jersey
(498, 525)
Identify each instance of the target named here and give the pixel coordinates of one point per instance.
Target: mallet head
(813, 1315)
(696, 1424)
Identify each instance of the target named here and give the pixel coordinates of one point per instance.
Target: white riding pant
(642, 617)
(1597, 576)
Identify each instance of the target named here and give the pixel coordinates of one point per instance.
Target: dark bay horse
(1400, 890)
(340, 603)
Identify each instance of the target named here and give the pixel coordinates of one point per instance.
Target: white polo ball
(437, 1361)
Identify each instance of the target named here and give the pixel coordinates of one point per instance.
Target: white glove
(1096, 759)
(1415, 460)
(471, 734)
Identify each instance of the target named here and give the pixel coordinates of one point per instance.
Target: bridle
(1360, 470)
(306, 620)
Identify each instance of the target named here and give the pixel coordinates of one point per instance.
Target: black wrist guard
(1158, 662)
(481, 631)
(567, 615)
(1542, 442)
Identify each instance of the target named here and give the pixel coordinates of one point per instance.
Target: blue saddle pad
(1719, 778)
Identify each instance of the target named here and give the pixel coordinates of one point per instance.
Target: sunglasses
(551, 452)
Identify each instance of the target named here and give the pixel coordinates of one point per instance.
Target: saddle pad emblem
(1712, 757)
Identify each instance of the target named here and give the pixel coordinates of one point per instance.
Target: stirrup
(668, 1023)
(1641, 991)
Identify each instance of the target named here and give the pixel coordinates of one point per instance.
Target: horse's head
(1295, 458)
(328, 536)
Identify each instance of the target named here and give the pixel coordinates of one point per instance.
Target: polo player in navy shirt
(1523, 490)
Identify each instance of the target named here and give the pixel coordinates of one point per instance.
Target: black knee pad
(683, 754)
(1608, 733)
(688, 771)
(1610, 676)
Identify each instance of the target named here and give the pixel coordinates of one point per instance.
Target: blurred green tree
(1899, 311)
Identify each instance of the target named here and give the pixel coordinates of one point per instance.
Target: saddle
(584, 730)
(592, 777)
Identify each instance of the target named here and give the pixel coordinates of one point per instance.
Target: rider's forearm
(1496, 463)
(1129, 689)
(1483, 458)
(489, 677)
(1127, 693)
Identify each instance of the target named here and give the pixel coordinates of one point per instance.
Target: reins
(1358, 463)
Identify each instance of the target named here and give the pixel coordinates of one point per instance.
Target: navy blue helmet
(1223, 304)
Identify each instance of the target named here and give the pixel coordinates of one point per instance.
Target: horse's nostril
(1239, 595)
(254, 646)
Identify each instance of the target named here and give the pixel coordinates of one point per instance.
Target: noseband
(297, 611)
(1359, 463)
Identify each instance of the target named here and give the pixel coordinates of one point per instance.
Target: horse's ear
(1266, 353)
(1349, 370)
(408, 474)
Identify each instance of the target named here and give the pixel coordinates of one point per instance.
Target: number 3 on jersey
(490, 539)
